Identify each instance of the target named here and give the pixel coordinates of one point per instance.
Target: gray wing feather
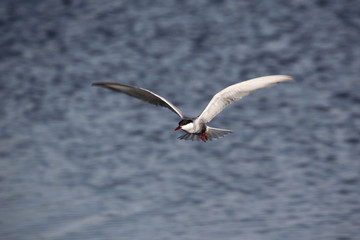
(140, 93)
(190, 136)
(236, 92)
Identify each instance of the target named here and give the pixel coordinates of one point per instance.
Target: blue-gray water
(79, 162)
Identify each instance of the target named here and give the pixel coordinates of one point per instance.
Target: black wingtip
(101, 84)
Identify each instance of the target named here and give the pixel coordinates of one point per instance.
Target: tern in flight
(196, 128)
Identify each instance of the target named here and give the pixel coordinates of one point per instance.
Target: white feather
(188, 127)
(236, 92)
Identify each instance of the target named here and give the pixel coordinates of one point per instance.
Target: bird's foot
(202, 138)
(205, 135)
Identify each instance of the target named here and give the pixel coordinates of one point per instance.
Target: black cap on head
(184, 122)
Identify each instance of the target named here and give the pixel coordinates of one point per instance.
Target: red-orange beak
(177, 128)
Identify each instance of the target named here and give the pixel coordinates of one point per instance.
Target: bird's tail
(211, 134)
(216, 133)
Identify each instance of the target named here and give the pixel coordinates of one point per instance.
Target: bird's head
(185, 124)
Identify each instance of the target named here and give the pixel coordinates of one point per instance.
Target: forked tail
(211, 134)
(216, 133)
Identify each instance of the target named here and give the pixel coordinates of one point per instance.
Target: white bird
(196, 128)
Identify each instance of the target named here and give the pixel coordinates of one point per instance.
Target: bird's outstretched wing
(236, 92)
(140, 93)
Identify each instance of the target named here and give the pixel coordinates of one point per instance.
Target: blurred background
(79, 162)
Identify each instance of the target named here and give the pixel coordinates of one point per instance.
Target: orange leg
(205, 135)
(201, 138)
